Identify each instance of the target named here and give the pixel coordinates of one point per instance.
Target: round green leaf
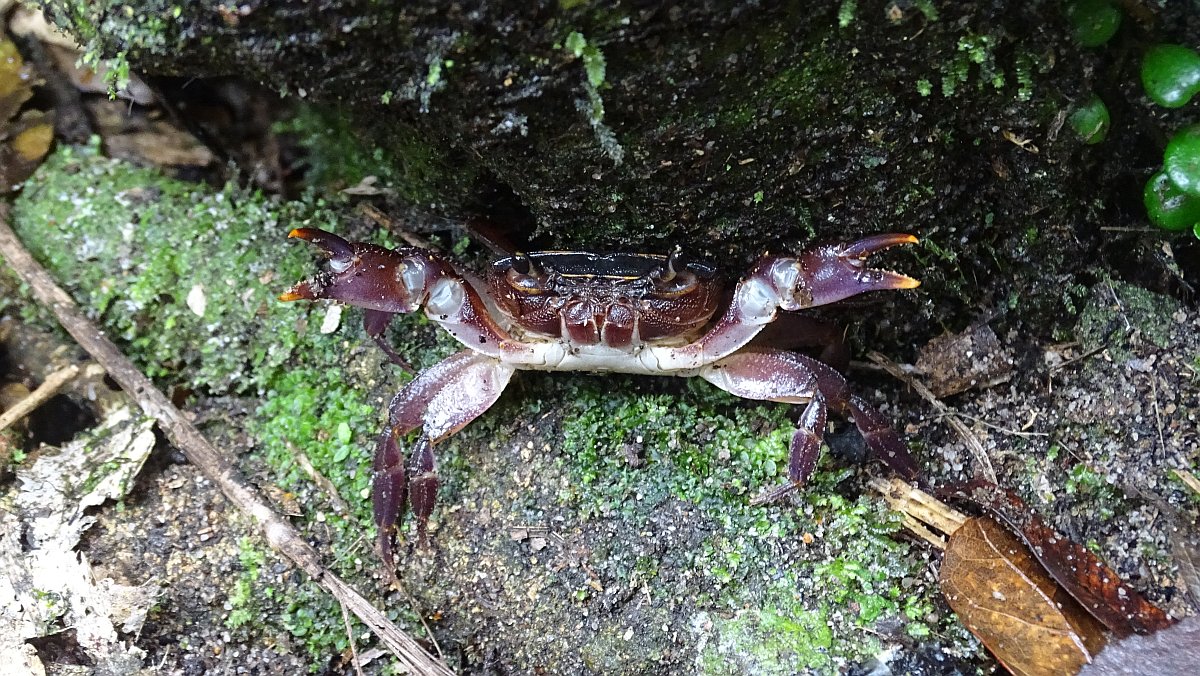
(1181, 161)
(1168, 207)
(1171, 74)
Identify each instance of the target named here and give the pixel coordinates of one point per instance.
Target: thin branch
(217, 466)
(981, 421)
(350, 639)
(951, 415)
(45, 391)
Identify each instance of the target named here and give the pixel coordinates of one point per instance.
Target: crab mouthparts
(858, 252)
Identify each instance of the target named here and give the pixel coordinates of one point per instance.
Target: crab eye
(524, 275)
(675, 263)
(521, 263)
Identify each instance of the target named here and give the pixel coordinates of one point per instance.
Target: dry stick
(350, 638)
(217, 466)
(47, 389)
(921, 510)
(952, 419)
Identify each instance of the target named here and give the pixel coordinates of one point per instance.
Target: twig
(1005, 430)
(47, 389)
(322, 482)
(217, 466)
(1073, 360)
(1118, 228)
(350, 638)
(1162, 444)
(1188, 479)
(920, 510)
(412, 602)
(951, 415)
(392, 225)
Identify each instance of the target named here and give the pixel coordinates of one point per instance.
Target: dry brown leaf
(31, 143)
(1098, 588)
(1002, 594)
(28, 140)
(24, 139)
(956, 362)
(16, 82)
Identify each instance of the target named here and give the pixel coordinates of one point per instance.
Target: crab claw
(835, 272)
(340, 254)
(365, 275)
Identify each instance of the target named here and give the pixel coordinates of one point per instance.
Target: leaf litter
(48, 587)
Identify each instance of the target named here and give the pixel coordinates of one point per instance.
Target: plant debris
(1080, 572)
(25, 137)
(50, 588)
(956, 362)
(1006, 599)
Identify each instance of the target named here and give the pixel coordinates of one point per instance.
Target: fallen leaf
(956, 362)
(24, 138)
(29, 139)
(1002, 594)
(1081, 573)
(16, 81)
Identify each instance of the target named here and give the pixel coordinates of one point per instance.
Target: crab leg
(795, 379)
(440, 401)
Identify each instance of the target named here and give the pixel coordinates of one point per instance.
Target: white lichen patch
(197, 302)
(48, 587)
(332, 319)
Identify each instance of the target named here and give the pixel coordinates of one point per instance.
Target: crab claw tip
(301, 291)
(876, 243)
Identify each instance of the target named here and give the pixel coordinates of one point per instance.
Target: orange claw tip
(301, 291)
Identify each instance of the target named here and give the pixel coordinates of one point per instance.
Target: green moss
(243, 608)
(768, 641)
(112, 34)
(185, 277)
(337, 157)
(846, 13)
(1119, 312)
(1083, 480)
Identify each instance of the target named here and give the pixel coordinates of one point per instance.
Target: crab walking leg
(794, 379)
(440, 401)
(773, 376)
(882, 439)
(375, 323)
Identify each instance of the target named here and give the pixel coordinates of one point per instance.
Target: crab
(618, 312)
